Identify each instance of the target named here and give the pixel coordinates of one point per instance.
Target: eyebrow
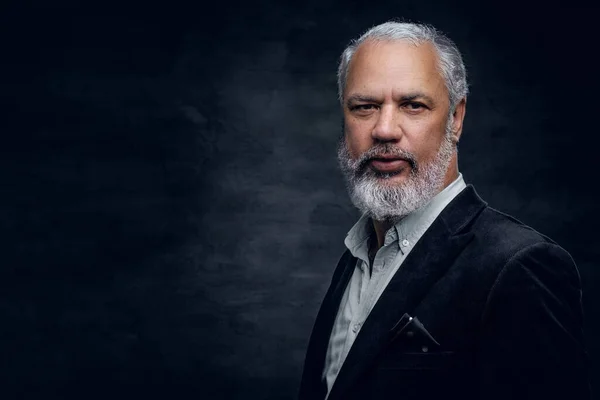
(416, 96)
(371, 99)
(361, 98)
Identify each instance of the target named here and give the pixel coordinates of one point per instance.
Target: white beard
(383, 201)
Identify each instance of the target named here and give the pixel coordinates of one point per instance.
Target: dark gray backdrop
(171, 208)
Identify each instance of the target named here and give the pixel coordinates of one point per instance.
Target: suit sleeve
(532, 344)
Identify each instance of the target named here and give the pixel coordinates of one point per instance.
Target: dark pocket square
(419, 328)
(417, 336)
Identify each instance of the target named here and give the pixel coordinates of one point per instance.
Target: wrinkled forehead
(399, 66)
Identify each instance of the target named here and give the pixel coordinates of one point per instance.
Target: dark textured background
(171, 208)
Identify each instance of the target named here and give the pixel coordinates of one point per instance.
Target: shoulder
(503, 248)
(520, 269)
(542, 267)
(495, 234)
(527, 259)
(503, 235)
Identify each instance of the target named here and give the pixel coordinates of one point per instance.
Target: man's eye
(414, 106)
(363, 107)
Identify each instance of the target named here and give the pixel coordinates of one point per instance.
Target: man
(438, 295)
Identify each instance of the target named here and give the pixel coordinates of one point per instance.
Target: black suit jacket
(483, 307)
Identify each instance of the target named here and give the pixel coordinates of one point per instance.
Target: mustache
(385, 150)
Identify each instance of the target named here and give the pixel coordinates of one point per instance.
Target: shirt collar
(357, 239)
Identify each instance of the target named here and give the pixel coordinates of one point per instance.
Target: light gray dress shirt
(368, 282)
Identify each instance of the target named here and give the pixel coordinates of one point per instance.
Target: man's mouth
(388, 164)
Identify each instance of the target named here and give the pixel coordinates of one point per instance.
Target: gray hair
(451, 65)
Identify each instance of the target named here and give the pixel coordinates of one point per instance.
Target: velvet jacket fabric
(484, 307)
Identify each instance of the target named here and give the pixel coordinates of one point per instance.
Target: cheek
(425, 140)
(358, 137)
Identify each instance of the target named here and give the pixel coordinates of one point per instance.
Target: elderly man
(438, 295)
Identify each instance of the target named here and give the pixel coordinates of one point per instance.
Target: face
(398, 147)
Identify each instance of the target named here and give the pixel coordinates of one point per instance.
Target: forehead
(397, 67)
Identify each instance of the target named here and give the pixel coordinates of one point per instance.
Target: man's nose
(387, 128)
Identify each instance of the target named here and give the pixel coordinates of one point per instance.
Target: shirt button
(355, 328)
(425, 349)
(405, 243)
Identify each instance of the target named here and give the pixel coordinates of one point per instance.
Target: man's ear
(458, 117)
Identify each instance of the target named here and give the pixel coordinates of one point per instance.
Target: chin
(390, 178)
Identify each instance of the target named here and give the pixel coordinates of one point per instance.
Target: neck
(381, 227)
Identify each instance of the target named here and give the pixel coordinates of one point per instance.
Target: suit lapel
(312, 385)
(425, 265)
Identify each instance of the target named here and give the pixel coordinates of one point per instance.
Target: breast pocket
(412, 375)
(442, 360)
(413, 347)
